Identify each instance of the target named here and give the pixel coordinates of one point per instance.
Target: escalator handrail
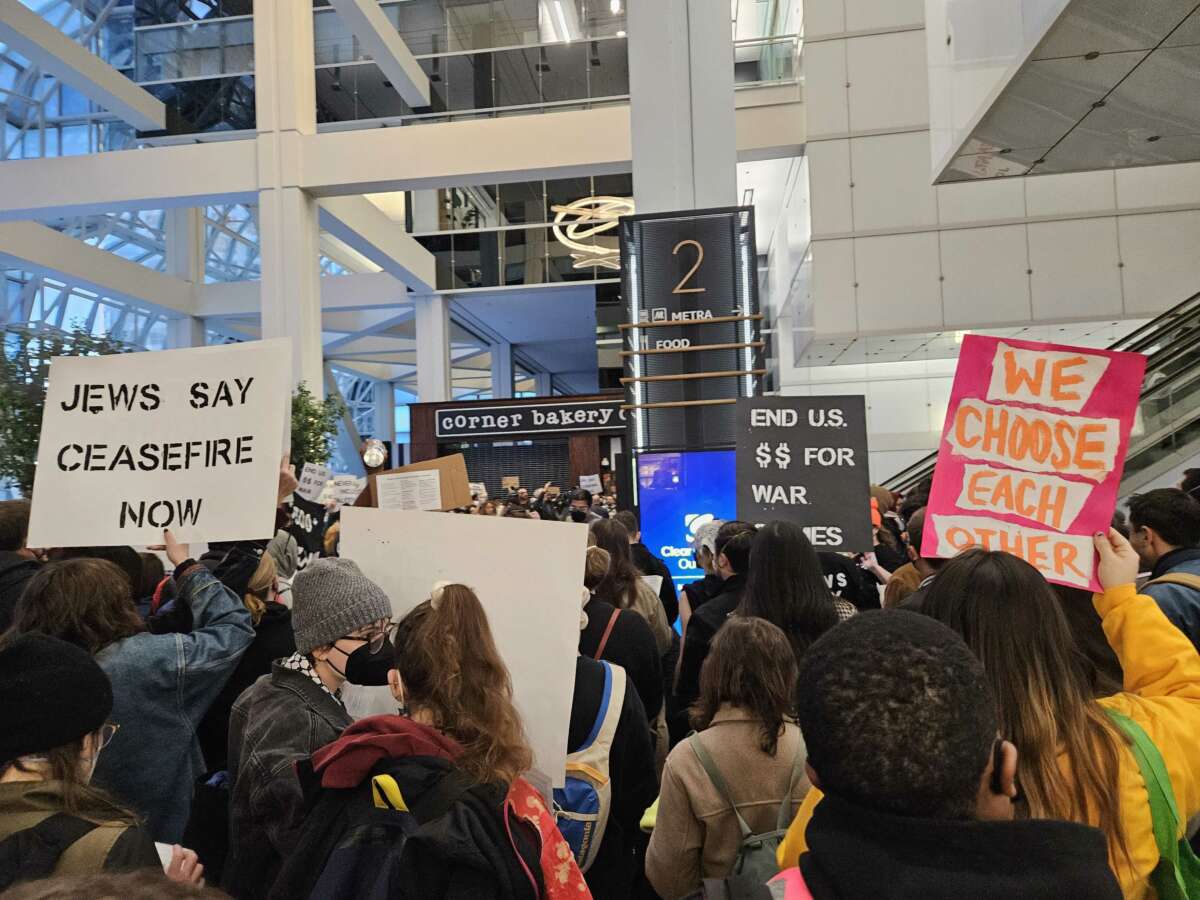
(1173, 318)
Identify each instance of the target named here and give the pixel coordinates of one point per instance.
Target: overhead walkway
(1166, 431)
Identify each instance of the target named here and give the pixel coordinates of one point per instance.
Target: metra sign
(500, 421)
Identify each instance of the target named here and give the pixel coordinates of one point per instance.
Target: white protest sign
(313, 478)
(346, 489)
(591, 483)
(536, 628)
(409, 490)
(183, 439)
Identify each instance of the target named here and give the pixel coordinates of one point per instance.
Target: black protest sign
(308, 528)
(804, 460)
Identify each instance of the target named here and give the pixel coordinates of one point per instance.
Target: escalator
(1166, 431)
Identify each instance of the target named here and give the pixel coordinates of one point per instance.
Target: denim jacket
(280, 720)
(162, 686)
(1180, 603)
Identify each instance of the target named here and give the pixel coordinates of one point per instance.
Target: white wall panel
(1073, 193)
(888, 81)
(823, 17)
(1075, 272)
(862, 15)
(1162, 260)
(834, 303)
(898, 288)
(981, 201)
(939, 401)
(825, 89)
(829, 187)
(1147, 186)
(986, 278)
(893, 406)
(891, 184)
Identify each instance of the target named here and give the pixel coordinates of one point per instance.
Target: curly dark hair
(750, 667)
(897, 715)
(85, 602)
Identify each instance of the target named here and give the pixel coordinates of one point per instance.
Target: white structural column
(433, 348)
(288, 224)
(183, 232)
(502, 370)
(383, 43)
(682, 105)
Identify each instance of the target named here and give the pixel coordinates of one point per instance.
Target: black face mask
(370, 669)
(579, 515)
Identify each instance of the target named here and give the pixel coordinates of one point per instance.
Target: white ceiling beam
(478, 151)
(367, 291)
(384, 45)
(363, 227)
(52, 51)
(37, 248)
(154, 178)
(378, 371)
(359, 321)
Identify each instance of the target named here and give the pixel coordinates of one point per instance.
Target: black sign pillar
(693, 340)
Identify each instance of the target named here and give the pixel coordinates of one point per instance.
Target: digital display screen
(677, 494)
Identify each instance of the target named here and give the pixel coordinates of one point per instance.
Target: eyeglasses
(375, 635)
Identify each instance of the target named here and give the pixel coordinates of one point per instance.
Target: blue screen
(677, 494)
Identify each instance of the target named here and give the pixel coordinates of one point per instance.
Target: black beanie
(51, 693)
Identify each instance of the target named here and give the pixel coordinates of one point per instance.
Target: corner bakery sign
(503, 421)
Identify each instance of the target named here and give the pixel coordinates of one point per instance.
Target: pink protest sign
(1032, 453)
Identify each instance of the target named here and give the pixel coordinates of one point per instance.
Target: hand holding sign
(1118, 560)
(176, 552)
(288, 482)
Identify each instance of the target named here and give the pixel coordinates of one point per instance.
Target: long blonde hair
(1044, 686)
(449, 664)
(258, 588)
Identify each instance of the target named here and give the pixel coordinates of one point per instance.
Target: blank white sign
(528, 576)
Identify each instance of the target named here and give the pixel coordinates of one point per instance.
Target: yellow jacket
(1162, 694)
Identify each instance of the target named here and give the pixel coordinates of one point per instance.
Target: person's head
(621, 584)
(884, 499)
(1161, 521)
(731, 548)
(1120, 522)
(55, 701)
(341, 618)
(516, 511)
(750, 666)
(141, 884)
(786, 585)
(916, 531)
(448, 674)
(522, 495)
(1190, 483)
(261, 588)
(630, 520)
(85, 602)
(580, 499)
(704, 546)
(487, 508)
(1043, 684)
(124, 558)
(14, 526)
(153, 572)
(897, 717)
(595, 568)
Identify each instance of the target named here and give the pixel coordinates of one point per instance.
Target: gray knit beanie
(330, 599)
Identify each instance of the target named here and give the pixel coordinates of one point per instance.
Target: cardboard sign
(452, 483)
(591, 484)
(804, 460)
(510, 482)
(183, 439)
(1032, 453)
(313, 478)
(536, 629)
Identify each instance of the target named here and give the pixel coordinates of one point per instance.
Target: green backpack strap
(1175, 855)
(718, 780)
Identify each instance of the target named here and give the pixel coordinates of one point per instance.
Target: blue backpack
(581, 807)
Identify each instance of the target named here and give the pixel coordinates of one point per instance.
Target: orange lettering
(985, 536)
(1062, 457)
(973, 485)
(1041, 441)
(1034, 554)
(1085, 447)
(1023, 507)
(1015, 374)
(1010, 542)
(960, 425)
(959, 538)
(1060, 381)
(1064, 558)
(1003, 494)
(1018, 439)
(994, 427)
